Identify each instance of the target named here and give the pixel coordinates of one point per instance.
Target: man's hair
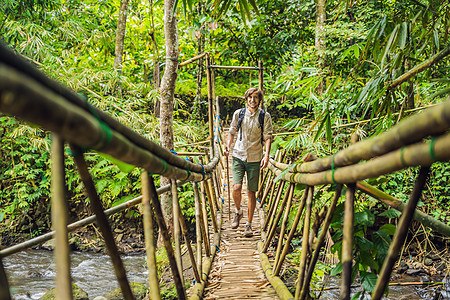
(251, 91)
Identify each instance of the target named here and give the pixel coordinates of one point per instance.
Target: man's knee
(237, 187)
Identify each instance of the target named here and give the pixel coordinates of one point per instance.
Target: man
(248, 154)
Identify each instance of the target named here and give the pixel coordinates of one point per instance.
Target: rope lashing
(432, 154)
(166, 166)
(106, 133)
(203, 171)
(172, 58)
(333, 169)
(402, 157)
(174, 152)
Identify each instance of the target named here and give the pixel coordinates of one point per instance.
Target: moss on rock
(139, 291)
(78, 294)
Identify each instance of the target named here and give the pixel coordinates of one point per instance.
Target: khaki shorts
(251, 168)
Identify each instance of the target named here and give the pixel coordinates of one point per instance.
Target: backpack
(260, 119)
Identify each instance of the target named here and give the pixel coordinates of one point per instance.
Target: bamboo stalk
(283, 254)
(261, 82)
(72, 227)
(71, 116)
(273, 211)
(59, 220)
(176, 229)
(4, 286)
(181, 293)
(102, 222)
(283, 228)
(400, 206)
(210, 107)
(212, 208)
(188, 243)
(266, 191)
(320, 241)
(205, 219)
(149, 238)
(305, 243)
(191, 60)
(228, 186)
(347, 243)
(289, 194)
(232, 67)
(260, 189)
(400, 235)
(409, 156)
(198, 224)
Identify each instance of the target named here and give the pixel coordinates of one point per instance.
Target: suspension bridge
(243, 267)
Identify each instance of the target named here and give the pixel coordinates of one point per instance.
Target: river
(31, 273)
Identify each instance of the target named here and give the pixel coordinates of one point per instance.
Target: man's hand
(226, 152)
(264, 162)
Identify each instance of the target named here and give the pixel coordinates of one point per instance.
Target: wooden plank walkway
(237, 271)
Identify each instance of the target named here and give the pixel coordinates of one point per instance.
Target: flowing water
(31, 273)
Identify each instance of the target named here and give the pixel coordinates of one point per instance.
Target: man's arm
(265, 160)
(229, 143)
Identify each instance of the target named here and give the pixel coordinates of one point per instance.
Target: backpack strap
(239, 122)
(262, 114)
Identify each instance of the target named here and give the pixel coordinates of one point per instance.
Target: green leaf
(391, 213)
(390, 43)
(368, 280)
(122, 200)
(402, 36)
(363, 244)
(124, 167)
(389, 228)
(367, 260)
(336, 270)
(436, 38)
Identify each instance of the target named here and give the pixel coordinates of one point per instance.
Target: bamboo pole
(261, 83)
(210, 107)
(347, 243)
(320, 241)
(228, 186)
(102, 222)
(400, 206)
(59, 220)
(261, 184)
(400, 235)
(288, 195)
(232, 67)
(149, 238)
(191, 60)
(305, 243)
(283, 254)
(283, 228)
(188, 243)
(181, 293)
(409, 156)
(212, 208)
(198, 225)
(14, 61)
(430, 122)
(176, 229)
(4, 286)
(205, 218)
(269, 221)
(72, 227)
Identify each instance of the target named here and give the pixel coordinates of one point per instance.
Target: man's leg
(251, 205)
(238, 175)
(237, 195)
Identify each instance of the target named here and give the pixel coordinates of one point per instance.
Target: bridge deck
(237, 271)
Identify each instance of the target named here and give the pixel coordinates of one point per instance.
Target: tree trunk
(200, 49)
(120, 34)
(320, 40)
(167, 91)
(156, 79)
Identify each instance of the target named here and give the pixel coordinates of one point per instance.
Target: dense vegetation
(369, 45)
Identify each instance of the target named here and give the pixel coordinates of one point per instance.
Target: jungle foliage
(369, 45)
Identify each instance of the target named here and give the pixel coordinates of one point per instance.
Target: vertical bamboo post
(305, 244)
(102, 222)
(261, 184)
(4, 286)
(289, 194)
(198, 224)
(181, 293)
(267, 189)
(60, 220)
(210, 105)
(176, 227)
(272, 212)
(188, 243)
(347, 243)
(149, 238)
(400, 235)
(205, 218)
(228, 186)
(301, 205)
(261, 81)
(283, 228)
(212, 209)
(320, 241)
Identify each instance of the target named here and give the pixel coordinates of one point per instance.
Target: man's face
(253, 100)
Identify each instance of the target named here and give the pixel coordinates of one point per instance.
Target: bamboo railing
(29, 95)
(417, 141)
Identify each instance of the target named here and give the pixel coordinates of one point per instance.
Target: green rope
(166, 167)
(106, 134)
(189, 175)
(333, 169)
(432, 154)
(402, 158)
